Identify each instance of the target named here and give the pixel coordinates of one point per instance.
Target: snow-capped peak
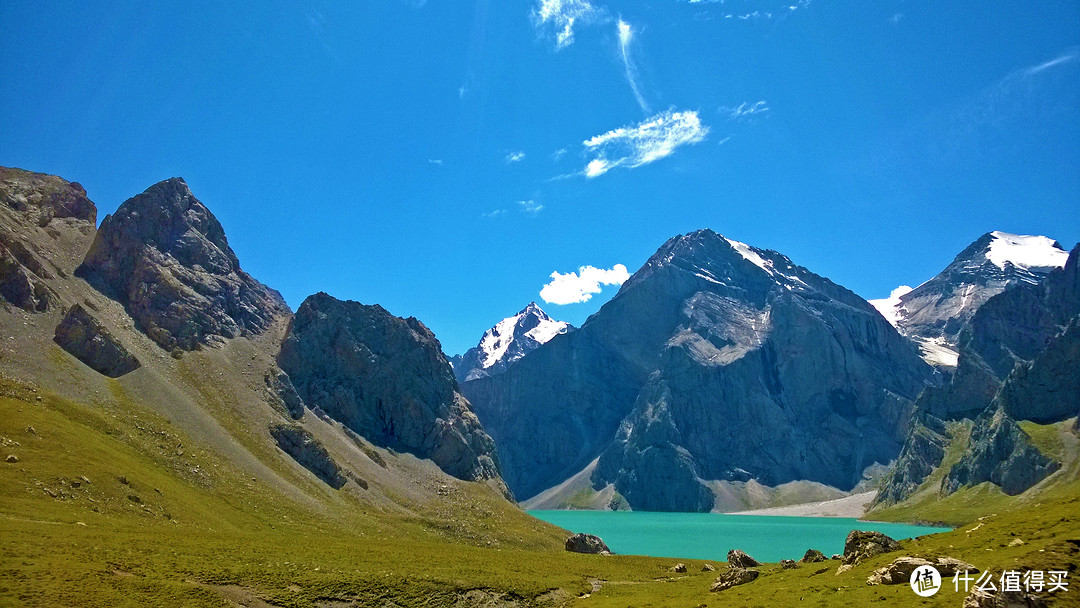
(1025, 251)
(532, 324)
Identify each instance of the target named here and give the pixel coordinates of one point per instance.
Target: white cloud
(626, 35)
(435, 161)
(561, 16)
(576, 287)
(643, 143)
(493, 213)
(1066, 57)
(745, 110)
(530, 207)
(515, 157)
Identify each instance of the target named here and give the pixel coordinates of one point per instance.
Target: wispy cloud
(435, 161)
(560, 16)
(626, 35)
(515, 157)
(762, 9)
(530, 207)
(896, 18)
(493, 213)
(580, 286)
(649, 141)
(1066, 57)
(745, 110)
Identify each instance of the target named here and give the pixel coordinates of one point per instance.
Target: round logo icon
(925, 581)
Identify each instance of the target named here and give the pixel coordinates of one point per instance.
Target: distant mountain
(933, 313)
(506, 342)
(716, 362)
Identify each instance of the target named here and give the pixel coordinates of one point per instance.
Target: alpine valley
(174, 434)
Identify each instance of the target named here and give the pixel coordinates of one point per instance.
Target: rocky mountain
(386, 379)
(1019, 360)
(933, 313)
(716, 362)
(165, 257)
(506, 342)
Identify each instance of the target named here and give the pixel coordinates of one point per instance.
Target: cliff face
(385, 378)
(165, 257)
(716, 361)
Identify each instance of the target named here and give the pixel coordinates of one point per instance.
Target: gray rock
(587, 543)
(923, 452)
(12, 458)
(284, 394)
(732, 577)
(679, 568)
(708, 568)
(788, 564)
(999, 451)
(86, 339)
(739, 559)
(165, 257)
(707, 366)
(387, 379)
(813, 556)
(40, 198)
(295, 441)
(900, 569)
(864, 544)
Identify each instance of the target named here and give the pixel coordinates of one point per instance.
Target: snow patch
(748, 253)
(1025, 251)
(890, 307)
(938, 353)
(546, 330)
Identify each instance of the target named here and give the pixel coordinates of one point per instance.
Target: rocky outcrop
(733, 576)
(1047, 388)
(739, 559)
(506, 342)
(385, 378)
(165, 257)
(587, 543)
(45, 221)
(812, 556)
(715, 361)
(899, 571)
(283, 394)
(1000, 452)
(923, 451)
(86, 339)
(305, 449)
(864, 544)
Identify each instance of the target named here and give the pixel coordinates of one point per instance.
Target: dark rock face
(386, 379)
(165, 257)
(40, 198)
(999, 452)
(862, 544)
(732, 577)
(1046, 389)
(715, 361)
(739, 559)
(306, 450)
(88, 341)
(510, 339)
(21, 286)
(586, 543)
(923, 451)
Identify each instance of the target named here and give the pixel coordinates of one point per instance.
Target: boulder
(587, 543)
(862, 545)
(813, 556)
(788, 564)
(739, 559)
(680, 568)
(899, 571)
(708, 568)
(86, 339)
(732, 577)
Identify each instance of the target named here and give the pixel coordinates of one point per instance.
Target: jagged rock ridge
(715, 361)
(385, 378)
(165, 257)
(506, 342)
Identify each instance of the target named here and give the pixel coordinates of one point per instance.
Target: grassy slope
(199, 531)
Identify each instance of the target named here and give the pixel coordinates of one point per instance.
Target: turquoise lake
(711, 535)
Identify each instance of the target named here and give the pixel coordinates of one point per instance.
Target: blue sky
(443, 159)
